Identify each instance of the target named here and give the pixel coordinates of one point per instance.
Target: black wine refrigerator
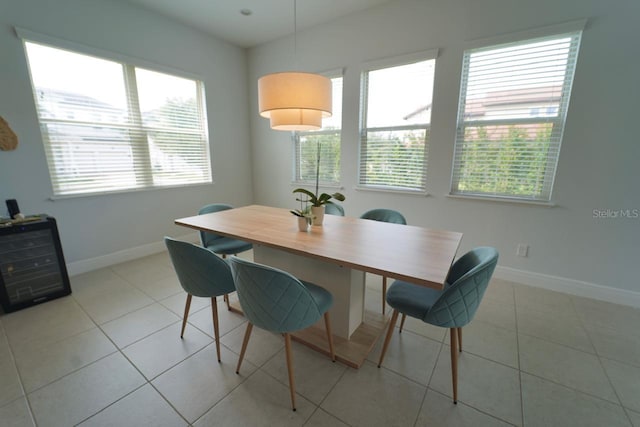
(32, 267)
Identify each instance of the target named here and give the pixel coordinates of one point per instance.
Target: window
(395, 124)
(513, 105)
(327, 140)
(109, 126)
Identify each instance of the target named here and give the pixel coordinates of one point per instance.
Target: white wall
(598, 166)
(92, 227)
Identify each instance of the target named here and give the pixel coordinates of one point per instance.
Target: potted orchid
(316, 200)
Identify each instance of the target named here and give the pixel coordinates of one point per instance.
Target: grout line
(559, 383)
(440, 343)
(311, 416)
(74, 371)
(342, 375)
(573, 389)
(391, 371)
(111, 404)
(168, 402)
(468, 405)
(24, 391)
(226, 395)
(302, 347)
(139, 371)
(515, 312)
(486, 358)
(115, 318)
(627, 413)
(318, 407)
(594, 354)
(604, 370)
(118, 350)
(426, 391)
(150, 381)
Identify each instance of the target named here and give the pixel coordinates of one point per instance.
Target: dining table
(336, 256)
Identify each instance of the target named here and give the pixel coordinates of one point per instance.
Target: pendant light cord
(295, 37)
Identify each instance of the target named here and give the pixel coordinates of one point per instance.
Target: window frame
(129, 65)
(574, 30)
(380, 64)
(296, 135)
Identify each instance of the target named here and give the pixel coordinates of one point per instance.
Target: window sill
(55, 198)
(502, 200)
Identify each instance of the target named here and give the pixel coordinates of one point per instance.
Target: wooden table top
(413, 254)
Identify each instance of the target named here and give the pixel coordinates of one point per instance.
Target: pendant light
(294, 100)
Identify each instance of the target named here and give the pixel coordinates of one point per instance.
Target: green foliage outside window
(395, 158)
(505, 159)
(329, 157)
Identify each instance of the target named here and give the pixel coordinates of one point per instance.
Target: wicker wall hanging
(8, 139)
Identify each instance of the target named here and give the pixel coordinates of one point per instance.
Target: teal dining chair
(218, 244)
(453, 307)
(333, 209)
(275, 301)
(384, 215)
(203, 274)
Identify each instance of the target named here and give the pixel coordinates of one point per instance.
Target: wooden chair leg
(216, 330)
(327, 325)
(247, 335)
(392, 324)
(404, 317)
(226, 299)
(186, 314)
(292, 384)
(459, 339)
(454, 364)
(226, 296)
(384, 294)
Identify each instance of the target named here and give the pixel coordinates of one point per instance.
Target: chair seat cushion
(228, 246)
(323, 298)
(412, 300)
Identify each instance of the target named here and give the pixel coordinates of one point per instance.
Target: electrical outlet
(522, 250)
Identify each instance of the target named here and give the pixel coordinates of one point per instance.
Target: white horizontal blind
(327, 139)
(513, 105)
(396, 117)
(109, 126)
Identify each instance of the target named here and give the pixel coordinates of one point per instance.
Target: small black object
(12, 207)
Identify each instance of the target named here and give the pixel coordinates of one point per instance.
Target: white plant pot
(303, 223)
(318, 214)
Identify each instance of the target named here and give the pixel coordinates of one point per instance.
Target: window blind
(395, 125)
(513, 106)
(109, 126)
(327, 140)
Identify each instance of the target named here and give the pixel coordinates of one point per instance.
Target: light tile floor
(110, 354)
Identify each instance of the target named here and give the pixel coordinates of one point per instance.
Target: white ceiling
(269, 20)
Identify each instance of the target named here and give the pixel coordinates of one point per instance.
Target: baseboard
(86, 265)
(545, 281)
(570, 286)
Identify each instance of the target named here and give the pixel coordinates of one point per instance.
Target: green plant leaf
(338, 196)
(312, 197)
(324, 198)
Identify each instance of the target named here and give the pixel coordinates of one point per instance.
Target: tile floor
(110, 354)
